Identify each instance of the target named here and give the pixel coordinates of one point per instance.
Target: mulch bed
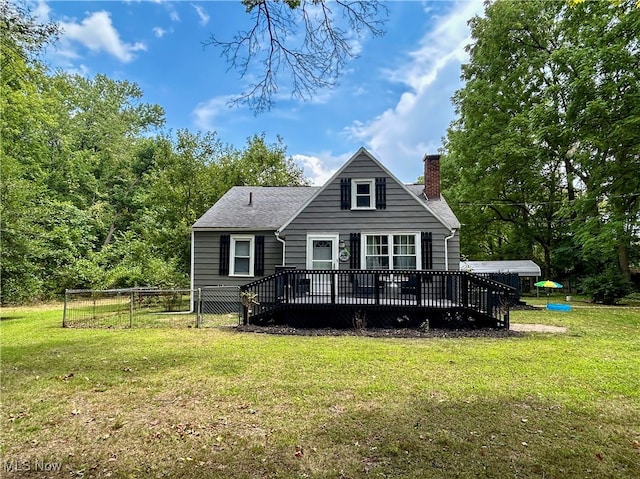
(383, 333)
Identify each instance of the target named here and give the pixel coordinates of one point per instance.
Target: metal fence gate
(217, 306)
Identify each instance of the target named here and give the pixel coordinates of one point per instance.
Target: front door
(322, 253)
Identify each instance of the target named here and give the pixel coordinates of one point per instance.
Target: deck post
(419, 289)
(376, 287)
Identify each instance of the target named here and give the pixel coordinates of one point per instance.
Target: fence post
(199, 309)
(64, 311)
(131, 300)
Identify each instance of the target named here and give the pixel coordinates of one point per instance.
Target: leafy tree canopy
(94, 192)
(546, 149)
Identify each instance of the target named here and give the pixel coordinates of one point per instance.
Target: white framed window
(405, 252)
(241, 259)
(391, 251)
(376, 252)
(363, 194)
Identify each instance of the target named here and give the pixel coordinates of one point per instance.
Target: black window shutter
(381, 193)
(225, 242)
(258, 265)
(354, 245)
(427, 250)
(345, 194)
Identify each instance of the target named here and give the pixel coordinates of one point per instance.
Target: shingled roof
(270, 207)
(439, 207)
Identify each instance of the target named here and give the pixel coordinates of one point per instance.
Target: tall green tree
(93, 193)
(547, 141)
(25, 111)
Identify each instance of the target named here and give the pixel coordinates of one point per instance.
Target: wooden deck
(311, 298)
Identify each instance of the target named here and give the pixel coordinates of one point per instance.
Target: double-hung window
(241, 257)
(404, 252)
(391, 251)
(376, 252)
(363, 195)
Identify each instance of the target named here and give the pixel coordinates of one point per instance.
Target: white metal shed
(523, 268)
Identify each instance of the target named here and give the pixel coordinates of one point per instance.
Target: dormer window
(363, 195)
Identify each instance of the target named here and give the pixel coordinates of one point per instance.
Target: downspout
(284, 245)
(191, 286)
(446, 249)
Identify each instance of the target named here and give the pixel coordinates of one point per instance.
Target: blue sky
(394, 99)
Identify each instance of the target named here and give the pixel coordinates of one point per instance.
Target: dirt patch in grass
(537, 328)
(382, 333)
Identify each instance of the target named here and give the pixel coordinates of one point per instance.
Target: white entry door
(322, 253)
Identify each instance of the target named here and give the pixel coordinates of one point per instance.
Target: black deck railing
(450, 294)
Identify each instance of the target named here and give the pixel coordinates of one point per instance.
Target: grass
(215, 403)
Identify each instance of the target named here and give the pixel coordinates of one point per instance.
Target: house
(364, 245)
(363, 218)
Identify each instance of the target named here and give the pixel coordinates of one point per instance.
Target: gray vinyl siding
(206, 255)
(403, 213)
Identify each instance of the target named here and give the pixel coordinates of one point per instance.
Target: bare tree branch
(304, 44)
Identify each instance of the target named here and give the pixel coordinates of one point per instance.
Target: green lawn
(216, 403)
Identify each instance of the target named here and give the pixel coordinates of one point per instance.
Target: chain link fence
(217, 306)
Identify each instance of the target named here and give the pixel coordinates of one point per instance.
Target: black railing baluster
(332, 284)
(464, 291)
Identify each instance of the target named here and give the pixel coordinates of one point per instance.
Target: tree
(91, 195)
(507, 182)
(308, 40)
(22, 38)
(24, 115)
(604, 78)
(263, 164)
(547, 141)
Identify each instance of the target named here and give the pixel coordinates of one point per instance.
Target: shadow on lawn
(4, 317)
(427, 437)
(435, 437)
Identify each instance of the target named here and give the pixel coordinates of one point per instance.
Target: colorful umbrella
(548, 284)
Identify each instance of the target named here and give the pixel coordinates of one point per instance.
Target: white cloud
(204, 16)
(173, 15)
(320, 167)
(206, 113)
(73, 69)
(97, 33)
(159, 32)
(401, 135)
(41, 12)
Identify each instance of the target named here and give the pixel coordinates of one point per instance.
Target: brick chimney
(432, 176)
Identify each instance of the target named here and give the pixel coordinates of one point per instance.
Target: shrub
(607, 287)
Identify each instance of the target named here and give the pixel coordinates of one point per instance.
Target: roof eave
(232, 229)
